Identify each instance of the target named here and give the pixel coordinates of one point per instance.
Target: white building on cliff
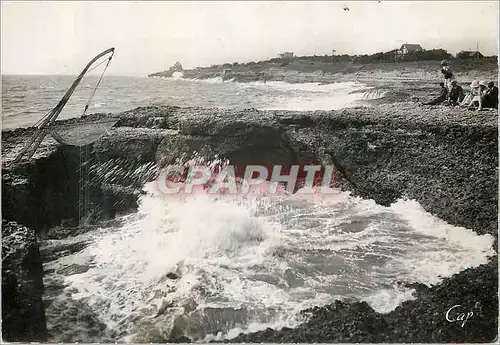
(286, 55)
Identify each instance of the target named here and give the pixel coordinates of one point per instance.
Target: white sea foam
(272, 256)
(303, 96)
(99, 105)
(117, 94)
(177, 75)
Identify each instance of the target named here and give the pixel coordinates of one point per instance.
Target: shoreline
(421, 141)
(303, 70)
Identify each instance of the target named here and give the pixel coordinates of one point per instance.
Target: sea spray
(210, 267)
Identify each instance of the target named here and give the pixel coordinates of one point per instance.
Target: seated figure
(490, 97)
(443, 95)
(472, 96)
(456, 94)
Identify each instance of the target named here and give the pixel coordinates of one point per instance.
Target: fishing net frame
(81, 134)
(72, 134)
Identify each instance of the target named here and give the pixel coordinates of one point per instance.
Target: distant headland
(410, 61)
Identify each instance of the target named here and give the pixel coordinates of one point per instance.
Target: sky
(60, 37)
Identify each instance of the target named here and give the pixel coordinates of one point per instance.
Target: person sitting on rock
(447, 74)
(490, 98)
(472, 95)
(456, 94)
(477, 102)
(443, 95)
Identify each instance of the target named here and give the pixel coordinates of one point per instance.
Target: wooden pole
(52, 116)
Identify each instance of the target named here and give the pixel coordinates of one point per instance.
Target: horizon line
(72, 74)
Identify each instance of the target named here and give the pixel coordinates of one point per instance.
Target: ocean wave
(121, 94)
(267, 257)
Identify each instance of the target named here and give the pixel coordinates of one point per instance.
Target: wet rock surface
(460, 309)
(23, 313)
(444, 158)
(42, 192)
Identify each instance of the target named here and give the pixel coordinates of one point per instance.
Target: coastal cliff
(444, 158)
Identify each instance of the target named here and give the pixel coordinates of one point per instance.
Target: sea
(211, 268)
(25, 99)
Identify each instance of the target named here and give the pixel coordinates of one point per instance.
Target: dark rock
(23, 313)
(444, 158)
(31, 198)
(132, 143)
(180, 339)
(172, 275)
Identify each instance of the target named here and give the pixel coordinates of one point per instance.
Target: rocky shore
(444, 158)
(23, 313)
(304, 70)
(420, 321)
